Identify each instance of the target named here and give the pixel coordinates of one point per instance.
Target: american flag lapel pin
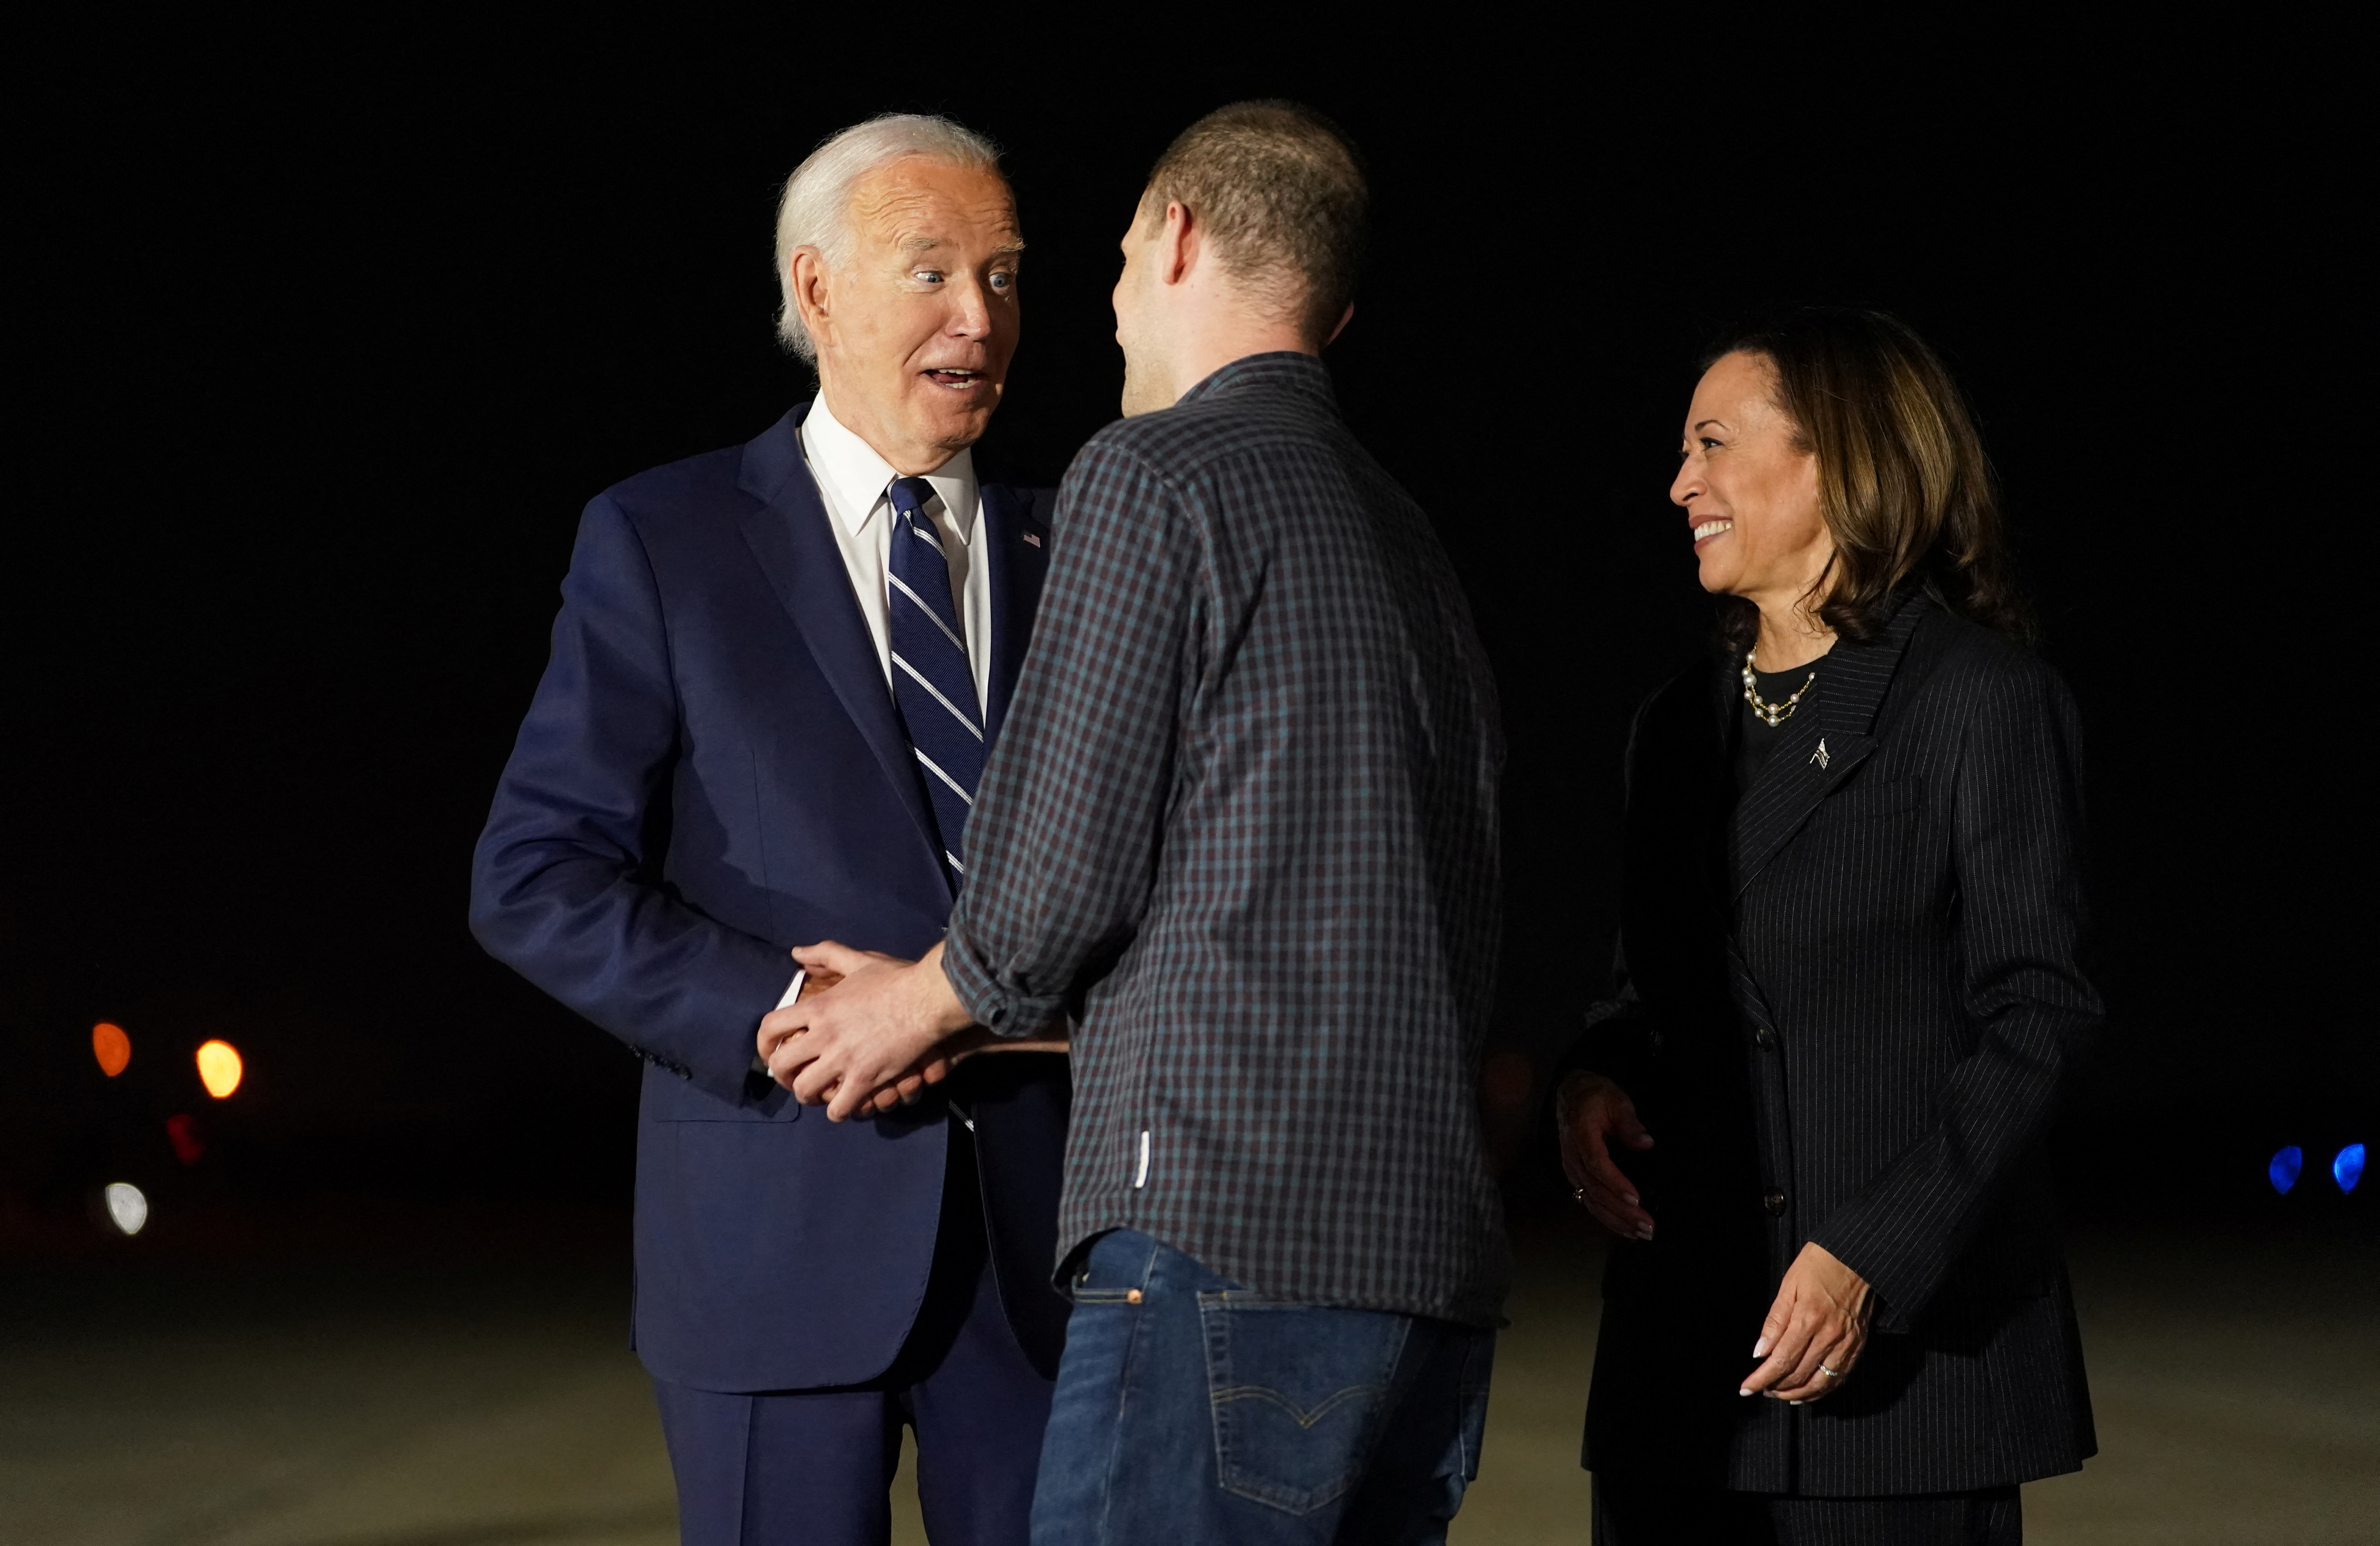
(1034, 538)
(1820, 756)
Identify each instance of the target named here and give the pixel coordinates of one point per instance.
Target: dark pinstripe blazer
(1848, 1004)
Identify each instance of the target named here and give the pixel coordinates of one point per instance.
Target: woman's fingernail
(1760, 1348)
(1632, 1200)
(1745, 1390)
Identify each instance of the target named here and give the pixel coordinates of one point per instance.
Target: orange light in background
(219, 1068)
(111, 1047)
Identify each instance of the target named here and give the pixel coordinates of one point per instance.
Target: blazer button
(1764, 1038)
(1774, 1200)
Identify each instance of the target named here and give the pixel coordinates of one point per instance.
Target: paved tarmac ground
(2235, 1384)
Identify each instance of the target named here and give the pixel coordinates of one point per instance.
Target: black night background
(323, 339)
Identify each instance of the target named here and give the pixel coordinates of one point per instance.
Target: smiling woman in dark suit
(1849, 994)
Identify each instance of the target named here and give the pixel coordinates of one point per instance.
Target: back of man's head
(1282, 194)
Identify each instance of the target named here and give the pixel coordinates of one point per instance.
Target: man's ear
(1344, 318)
(811, 291)
(1178, 244)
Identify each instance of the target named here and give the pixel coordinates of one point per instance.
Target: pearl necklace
(1771, 714)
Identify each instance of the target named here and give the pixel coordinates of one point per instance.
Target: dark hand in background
(1591, 1113)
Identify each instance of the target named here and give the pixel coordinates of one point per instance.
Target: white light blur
(127, 1206)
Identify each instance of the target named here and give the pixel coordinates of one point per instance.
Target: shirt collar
(850, 467)
(1281, 370)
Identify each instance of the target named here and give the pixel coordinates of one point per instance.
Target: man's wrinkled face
(920, 322)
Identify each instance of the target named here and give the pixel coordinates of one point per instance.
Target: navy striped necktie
(933, 684)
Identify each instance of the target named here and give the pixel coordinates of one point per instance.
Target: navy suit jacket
(712, 772)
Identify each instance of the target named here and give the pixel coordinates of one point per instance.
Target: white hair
(816, 210)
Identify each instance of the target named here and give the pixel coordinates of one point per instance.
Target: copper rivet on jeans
(1132, 1296)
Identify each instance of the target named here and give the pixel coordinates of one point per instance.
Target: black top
(1855, 1038)
(1754, 736)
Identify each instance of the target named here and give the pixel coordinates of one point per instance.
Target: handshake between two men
(871, 1031)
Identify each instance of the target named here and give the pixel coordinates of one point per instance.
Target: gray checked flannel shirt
(1243, 818)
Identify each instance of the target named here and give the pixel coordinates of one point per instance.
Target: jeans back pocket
(1298, 1394)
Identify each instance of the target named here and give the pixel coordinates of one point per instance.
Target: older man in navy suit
(775, 676)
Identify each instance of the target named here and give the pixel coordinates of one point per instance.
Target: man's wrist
(946, 1014)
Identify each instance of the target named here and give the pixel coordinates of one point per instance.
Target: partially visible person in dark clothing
(1243, 812)
(1850, 991)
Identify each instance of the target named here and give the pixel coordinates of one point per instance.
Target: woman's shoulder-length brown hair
(1903, 484)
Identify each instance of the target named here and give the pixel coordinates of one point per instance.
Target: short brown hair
(1282, 192)
(1903, 484)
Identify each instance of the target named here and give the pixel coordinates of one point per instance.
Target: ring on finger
(1832, 1373)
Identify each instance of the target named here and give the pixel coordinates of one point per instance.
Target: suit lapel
(1016, 546)
(1818, 752)
(790, 538)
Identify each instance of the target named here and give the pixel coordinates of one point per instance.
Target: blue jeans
(1193, 1411)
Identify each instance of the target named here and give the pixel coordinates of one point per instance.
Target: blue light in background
(2285, 1167)
(2347, 1168)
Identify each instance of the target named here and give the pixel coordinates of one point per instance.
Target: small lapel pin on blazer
(1034, 538)
(1820, 756)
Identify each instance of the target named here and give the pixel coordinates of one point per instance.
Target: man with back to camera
(1246, 809)
(775, 674)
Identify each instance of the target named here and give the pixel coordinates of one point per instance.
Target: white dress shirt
(852, 479)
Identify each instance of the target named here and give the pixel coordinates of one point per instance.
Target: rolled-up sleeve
(1064, 840)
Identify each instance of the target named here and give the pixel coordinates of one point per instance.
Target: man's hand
(873, 1041)
(1815, 1329)
(904, 1092)
(1590, 1112)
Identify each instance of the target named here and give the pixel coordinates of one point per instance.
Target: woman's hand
(1815, 1332)
(1590, 1111)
